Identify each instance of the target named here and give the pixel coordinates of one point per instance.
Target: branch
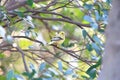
(47, 12)
(18, 4)
(27, 38)
(73, 55)
(68, 63)
(23, 58)
(62, 20)
(63, 5)
(5, 2)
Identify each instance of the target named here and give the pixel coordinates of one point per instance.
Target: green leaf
(26, 74)
(97, 40)
(92, 72)
(89, 47)
(96, 48)
(84, 33)
(29, 75)
(30, 2)
(37, 79)
(32, 74)
(98, 63)
(10, 75)
(20, 14)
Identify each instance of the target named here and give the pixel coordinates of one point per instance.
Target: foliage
(26, 30)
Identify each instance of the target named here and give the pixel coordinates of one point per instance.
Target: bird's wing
(56, 39)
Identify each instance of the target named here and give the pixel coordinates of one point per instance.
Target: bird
(58, 39)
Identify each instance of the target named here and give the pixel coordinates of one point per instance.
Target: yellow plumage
(58, 39)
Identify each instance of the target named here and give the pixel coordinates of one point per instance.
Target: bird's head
(62, 34)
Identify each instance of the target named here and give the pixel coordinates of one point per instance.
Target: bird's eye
(62, 33)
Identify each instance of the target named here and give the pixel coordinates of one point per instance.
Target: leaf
(37, 78)
(94, 25)
(89, 47)
(74, 75)
(105, 17)
(1, 15)
(32, 74)
(99, 62)
(101, 30)
(97, 15)
(30, 2)
(68, 72)
(10, 75)
(20, 14)
(60, 67)
(2, 32)
(97, 40)
(32, 66)
(26, 74)
(18, 77)
(88, 6)
(96, 48)
(9, 39)
(96, 65)
(53, 71)
(47, 74)
(94, 58)
(109, 1)
(47, 79)
(84, 33)
(29, 75)
(27, 33)
(92, 72)
(42, 66)
(25, 43)
(88, 18)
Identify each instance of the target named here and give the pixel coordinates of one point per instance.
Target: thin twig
(27, 38)
(62, 20)
(22, 3)
(62, 6)
(73, 55)
(23, 58)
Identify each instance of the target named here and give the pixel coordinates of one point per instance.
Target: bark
(111, 57)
